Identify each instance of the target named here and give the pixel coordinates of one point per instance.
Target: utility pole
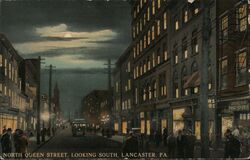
(38, 108)
(206, 28)
(50, 97)
(109, 73)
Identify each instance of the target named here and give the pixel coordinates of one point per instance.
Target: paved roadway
(65, 142)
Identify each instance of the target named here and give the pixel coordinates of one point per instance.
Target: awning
(191, 82)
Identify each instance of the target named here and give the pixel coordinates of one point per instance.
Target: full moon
(68, 35)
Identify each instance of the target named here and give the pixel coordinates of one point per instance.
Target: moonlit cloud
(61, 31)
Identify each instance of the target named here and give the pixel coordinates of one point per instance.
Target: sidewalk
(219, 153)
(33, 146)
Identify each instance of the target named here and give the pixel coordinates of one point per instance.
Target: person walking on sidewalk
(16, 137)
(23, 142)
(190, 144)
(227, 135)
(157, 138)
(180, 144)
(171, 143)
(165, 136)
(131, 144)
(235, 145)
(6, 141)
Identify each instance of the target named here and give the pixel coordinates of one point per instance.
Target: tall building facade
(166, 46)
(233, 64)
(16, 95)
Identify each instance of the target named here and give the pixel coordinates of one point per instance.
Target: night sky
(76, 36)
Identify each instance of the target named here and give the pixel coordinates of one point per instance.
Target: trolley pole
(206, 28)
(38, 129)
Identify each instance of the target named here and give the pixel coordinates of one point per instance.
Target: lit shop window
(124, 127)
(143, 126)
(226, 123)
(148, 127)
(245, 116)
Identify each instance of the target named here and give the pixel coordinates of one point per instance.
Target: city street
(65, 142)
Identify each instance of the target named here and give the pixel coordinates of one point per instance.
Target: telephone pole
(109, 73)
(50, 97)
(38, 108)
(206, 28)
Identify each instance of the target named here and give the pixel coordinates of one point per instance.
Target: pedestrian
(131, 144)
(6, 141)
(165, 136)
(190, 144)
(23, 143)
(180, 144)
(157, 138)
(227, 136)
(171, 143)
(234, 145)
(16, 137)
(43, 133)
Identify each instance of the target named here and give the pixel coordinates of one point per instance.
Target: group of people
(180, 145)
(18, 139)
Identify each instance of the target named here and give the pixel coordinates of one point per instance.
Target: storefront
(124, 127)
(234, 113)
(116, 127)
(8, 121)
(178, 121)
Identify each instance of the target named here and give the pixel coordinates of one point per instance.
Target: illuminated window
(165, 52)
(153, 59)
(224, 28)
(134, 51)
(5, 67)
(129, 67)
(185, 15)
(1, 60)
(149, 37)
(158, 27)
(153, 7)
(177, 24)
(150, 92)
(140, 25)
(241, 68)
(195, 46)
(137, 28)
(140, 45)
(176, 58)
(133, 32)
(165, 20)
(158, 57)
(176, 89)
(159, 4)
(153, 32)
(148, 14)
(242, 17)
(149, 64)
(184, 48)
(155, 90)
(223, 72)
(145, 42)
(144, 19)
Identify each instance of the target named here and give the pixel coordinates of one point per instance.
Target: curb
(41, 145)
